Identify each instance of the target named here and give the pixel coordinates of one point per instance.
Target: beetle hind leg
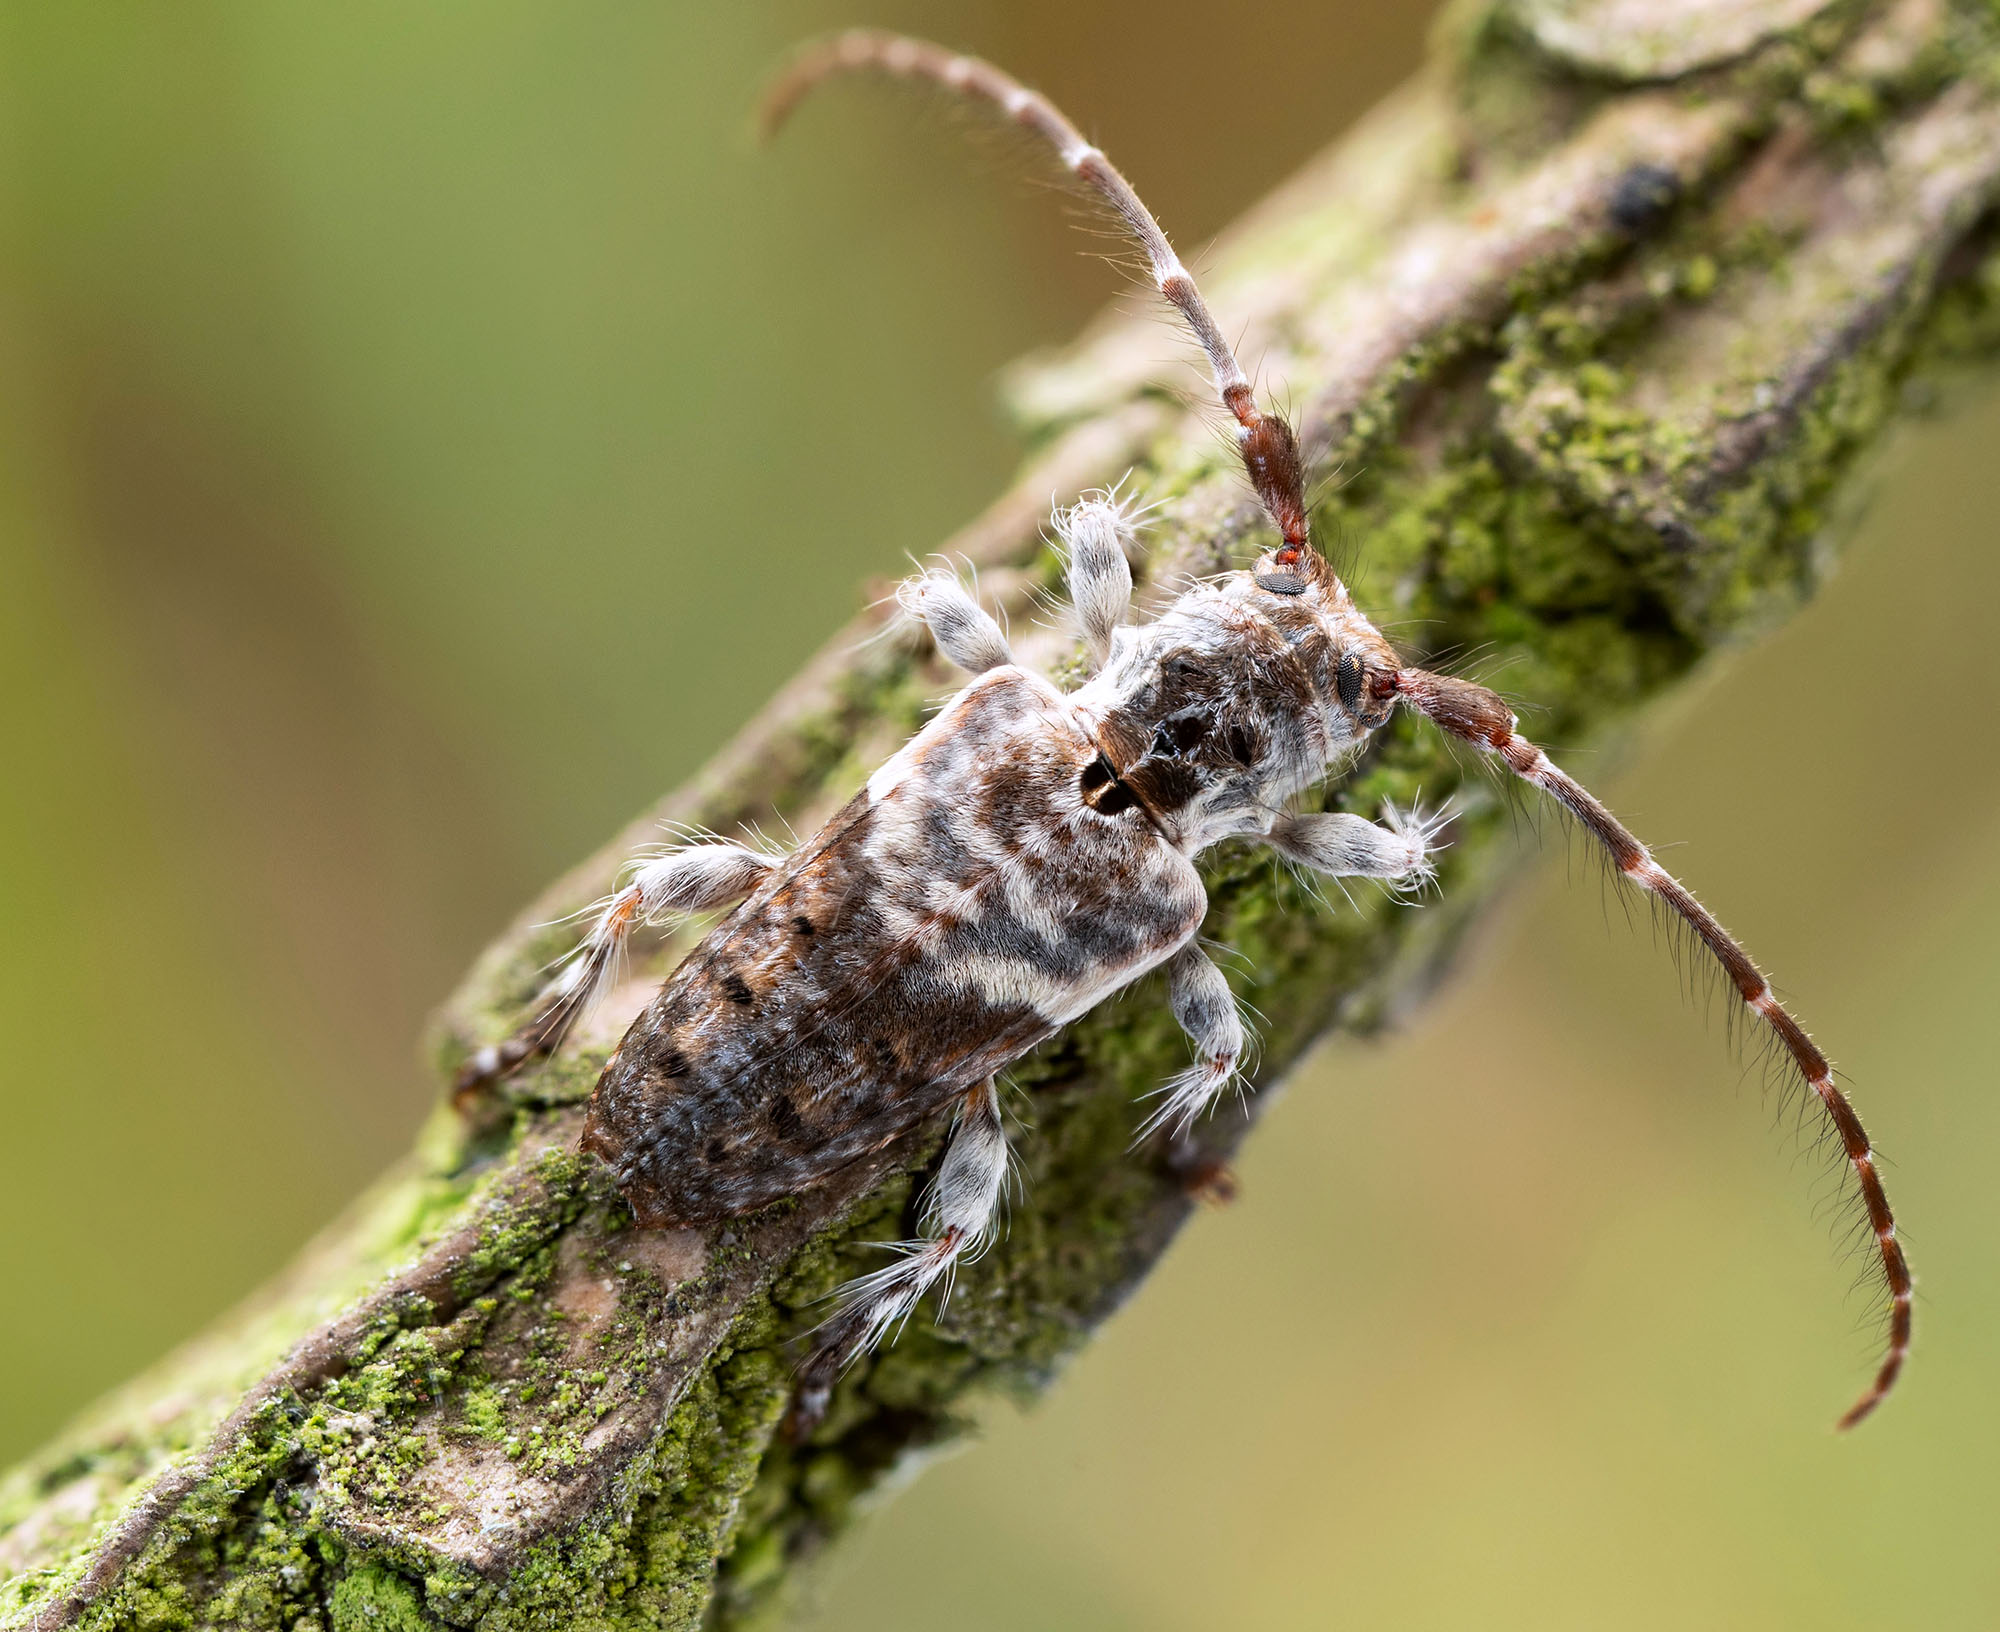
(696, 878)
(959, 1219)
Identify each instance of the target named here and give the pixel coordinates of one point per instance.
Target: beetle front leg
(1397, 851)
(1100, 578)
(965, 631)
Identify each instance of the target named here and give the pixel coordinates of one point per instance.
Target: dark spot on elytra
(1003, 935)
(715, 1151)
(737, 989)
(673, 1063)
(786, 1122)
(1108, 935)
(804, 926)
(943, 851)
(1012, 806)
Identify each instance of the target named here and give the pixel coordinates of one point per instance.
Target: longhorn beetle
(1030, 852)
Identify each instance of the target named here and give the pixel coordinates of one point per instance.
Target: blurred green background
(426, 432)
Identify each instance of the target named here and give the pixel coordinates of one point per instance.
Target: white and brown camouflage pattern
(1027, 855)
(1030, 852)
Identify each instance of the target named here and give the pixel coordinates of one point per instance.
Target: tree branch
(1595, 317)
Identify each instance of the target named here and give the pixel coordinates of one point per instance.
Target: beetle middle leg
(1206, 1010)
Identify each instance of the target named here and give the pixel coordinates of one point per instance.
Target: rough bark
(1596, 318)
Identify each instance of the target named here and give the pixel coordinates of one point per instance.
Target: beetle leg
(1399, 850)
(694, 879)
(963, 629)
(1100, 579)
(1206, 1010)
(959, 1218)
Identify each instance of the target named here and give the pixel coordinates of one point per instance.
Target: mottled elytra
(1031, 851)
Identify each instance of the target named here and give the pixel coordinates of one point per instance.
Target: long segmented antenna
(1478, 716)
(1270, 450)
(1472, 713)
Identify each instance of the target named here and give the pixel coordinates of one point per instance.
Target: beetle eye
(1347, 682)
